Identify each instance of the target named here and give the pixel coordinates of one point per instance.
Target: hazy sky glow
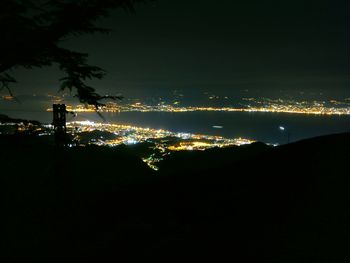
(205, 46)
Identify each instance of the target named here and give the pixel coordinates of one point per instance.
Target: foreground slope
(288, 203)
(252, 203)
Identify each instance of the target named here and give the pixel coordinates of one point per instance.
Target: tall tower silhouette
(59, 122)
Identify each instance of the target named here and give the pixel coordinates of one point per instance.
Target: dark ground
(246, 204)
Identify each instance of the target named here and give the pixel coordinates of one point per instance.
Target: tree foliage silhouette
(32, 30)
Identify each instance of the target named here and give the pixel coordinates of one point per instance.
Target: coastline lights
(163, 142)
(254, 105)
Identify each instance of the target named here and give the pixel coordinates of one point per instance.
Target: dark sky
(224, 46)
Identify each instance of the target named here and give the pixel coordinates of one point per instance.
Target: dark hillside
(252, 203)
(288, 203)
(185, 162)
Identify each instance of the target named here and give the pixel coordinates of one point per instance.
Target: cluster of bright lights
(252, 105)
(11, 128)
(164, 141)
(132, 134)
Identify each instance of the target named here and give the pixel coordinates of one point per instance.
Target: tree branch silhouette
(32, 32)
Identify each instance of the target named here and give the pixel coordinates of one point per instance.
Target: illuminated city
(331, 107)
(161, 142)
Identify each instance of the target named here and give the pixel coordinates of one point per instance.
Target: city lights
(163, 142)
(331, 107)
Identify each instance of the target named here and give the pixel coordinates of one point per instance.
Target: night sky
(220, 46)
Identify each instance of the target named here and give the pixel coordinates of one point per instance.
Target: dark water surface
(260, 126)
